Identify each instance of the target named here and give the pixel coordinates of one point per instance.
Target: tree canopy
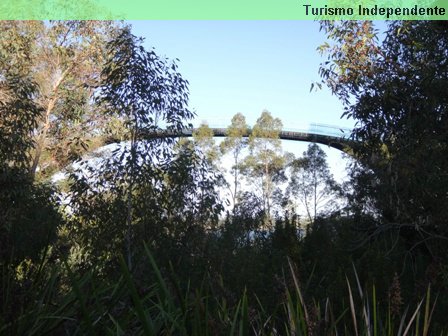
(64, 60)
(141, 239)
(396, 91)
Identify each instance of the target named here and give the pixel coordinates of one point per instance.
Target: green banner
(224, 10)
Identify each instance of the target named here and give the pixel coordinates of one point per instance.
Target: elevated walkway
(332, 136)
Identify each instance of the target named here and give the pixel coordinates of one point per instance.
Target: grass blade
(417, 310)
(352, 307)
(144, 319)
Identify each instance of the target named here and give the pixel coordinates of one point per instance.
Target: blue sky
(249, 66)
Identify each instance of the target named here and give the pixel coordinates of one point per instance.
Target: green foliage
(28, 218)
(234, 143)
(152, 190)
(398, 96)
(63, 59)
(156, 304)
(352, 58)
(18, 118)
(312, 183)
(265, 166)
(141, 247)
(203, 140)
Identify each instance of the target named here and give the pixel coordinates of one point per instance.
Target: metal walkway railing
(332, 136)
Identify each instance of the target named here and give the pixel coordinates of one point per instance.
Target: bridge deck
(338, 142)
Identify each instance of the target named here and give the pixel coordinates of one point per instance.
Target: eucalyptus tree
(28, 218)
(312, 183)
(206, 149)
(147, 93)
(64, 60)
(264, 166)
(234, 143)
(192, 182)
(204, 142)
(396, 90)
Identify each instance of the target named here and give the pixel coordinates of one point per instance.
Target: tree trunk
(42, 137)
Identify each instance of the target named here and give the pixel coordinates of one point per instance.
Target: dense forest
(151, 234)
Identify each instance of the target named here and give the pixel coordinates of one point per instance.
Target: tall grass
(156, 306)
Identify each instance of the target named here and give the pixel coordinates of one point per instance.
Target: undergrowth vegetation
(53, 299)
(149, 238)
